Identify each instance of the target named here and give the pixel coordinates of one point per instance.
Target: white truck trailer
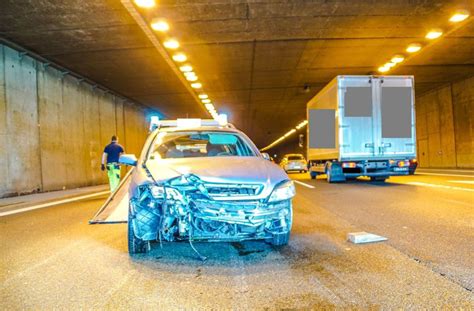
(362, 126)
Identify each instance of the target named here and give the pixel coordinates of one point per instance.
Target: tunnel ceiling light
(206, 101)
(434, 34)
(210, 107)
(459, 16)
(397, 59)
(186, 68)
(203, 96)
(383, 69)
(190, 74)
(196, 85)
(179, 57)
(413, 48)
(302, 124)
(160, 25)
(389, 65)
(191, 78)
(145, 3)
(172, 44)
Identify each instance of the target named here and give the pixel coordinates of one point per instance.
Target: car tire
(136, 245)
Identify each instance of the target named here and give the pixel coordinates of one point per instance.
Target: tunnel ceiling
(253, 57)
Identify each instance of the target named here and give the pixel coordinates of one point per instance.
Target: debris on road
(364, 237)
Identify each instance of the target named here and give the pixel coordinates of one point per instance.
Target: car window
(170, 145)
(295, 157)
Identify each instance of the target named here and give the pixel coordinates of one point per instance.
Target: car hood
(241, 170)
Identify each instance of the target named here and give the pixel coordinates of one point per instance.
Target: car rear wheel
(136, 245)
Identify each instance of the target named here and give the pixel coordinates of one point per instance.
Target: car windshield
(295, 157)
(170, 145)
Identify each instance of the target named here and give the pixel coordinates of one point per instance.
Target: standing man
(110, 160)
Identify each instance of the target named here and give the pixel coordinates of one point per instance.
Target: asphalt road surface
(52, 258)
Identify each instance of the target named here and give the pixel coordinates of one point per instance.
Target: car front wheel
(136, 245)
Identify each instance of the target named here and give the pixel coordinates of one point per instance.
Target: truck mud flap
(115, 208)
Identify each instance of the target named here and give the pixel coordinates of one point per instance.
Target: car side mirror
(266, 156)
(128, 159)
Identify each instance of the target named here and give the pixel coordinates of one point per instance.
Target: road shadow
(239, 257)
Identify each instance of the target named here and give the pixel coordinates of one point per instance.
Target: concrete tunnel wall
(53, 127)
(444, 125)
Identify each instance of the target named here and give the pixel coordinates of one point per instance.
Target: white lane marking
(30, 208)
(416, 183)
(451, 175)
(304, 184)
(467, 182)
(442, 170)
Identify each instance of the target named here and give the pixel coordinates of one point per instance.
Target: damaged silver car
(205, 182)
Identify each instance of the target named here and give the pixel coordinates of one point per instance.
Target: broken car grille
(233, 190)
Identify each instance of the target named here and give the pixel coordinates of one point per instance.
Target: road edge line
(49, 204)
(304, 184)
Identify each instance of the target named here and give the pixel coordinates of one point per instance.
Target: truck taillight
(349, 165)
(403, 163)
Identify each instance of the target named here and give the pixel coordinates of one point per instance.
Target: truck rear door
(394, 114)
(356, 111)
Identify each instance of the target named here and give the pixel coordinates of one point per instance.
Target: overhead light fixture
(145, 3)
(397, 59)
(413, 48)
(302, 124)
(210, 107)
(383, 69)
(459, 16)
(171, 44)
(203, 96)
(190, 73)
(160, 25)
(206, 101)
(434, 34)
(389, 65)
(191, 78)
(186, 68)
(179, 57)
(196, 85)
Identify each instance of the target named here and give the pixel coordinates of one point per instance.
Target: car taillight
(349, 165)
(413, 160)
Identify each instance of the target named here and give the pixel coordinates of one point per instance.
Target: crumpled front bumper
(241, 212)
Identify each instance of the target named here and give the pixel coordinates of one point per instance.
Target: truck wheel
(136, 245)
(334, 173)
(378, 178)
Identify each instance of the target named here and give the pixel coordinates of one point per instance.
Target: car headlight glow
(283, 191)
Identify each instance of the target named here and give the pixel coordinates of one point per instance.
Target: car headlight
(283, 191)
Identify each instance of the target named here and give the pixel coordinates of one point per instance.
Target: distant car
(294, 163)
(205, 182)
(412, 167)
